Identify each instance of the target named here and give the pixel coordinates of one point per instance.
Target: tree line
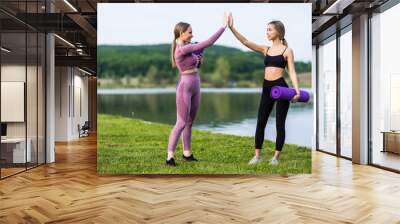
(221, 66)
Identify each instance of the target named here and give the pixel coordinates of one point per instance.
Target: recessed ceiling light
(84, 71)
(338, 6)
(64, 40)
(70, 5)
(5, 49)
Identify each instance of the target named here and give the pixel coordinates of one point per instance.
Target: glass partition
(22, 88)
(14, 154)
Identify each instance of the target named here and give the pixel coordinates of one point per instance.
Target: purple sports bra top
(185, 59)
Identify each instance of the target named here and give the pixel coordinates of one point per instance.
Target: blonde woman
(184, 56)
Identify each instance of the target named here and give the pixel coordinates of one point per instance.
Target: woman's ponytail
(284, 42)
(173, 47)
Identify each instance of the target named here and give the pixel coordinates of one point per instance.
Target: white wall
(62, 82)
(71, 87)
(81, 89)
(13, 72)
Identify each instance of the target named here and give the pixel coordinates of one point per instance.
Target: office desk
(15, 148)
(391, 141)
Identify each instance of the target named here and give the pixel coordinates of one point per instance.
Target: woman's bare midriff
(190, 71)
(273, 73)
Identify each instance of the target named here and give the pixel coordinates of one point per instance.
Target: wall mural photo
(204, 88)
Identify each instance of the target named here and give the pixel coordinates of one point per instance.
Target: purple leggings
(187, 105)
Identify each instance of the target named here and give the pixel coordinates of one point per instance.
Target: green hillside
(149, 65)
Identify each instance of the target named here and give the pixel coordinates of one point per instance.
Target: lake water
(231, 111)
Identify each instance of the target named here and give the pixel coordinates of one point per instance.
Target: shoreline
(119, 91)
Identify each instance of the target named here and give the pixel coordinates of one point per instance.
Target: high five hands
(230, 20)
(225, 20)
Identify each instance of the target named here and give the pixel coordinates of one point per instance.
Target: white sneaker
(255, 160)
(274, 161)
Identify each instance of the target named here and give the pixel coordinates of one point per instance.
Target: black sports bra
(275, 60)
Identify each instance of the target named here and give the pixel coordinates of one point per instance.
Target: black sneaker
(170, 162)
(189, 158)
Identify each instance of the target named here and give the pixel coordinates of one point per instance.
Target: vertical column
(360, 90)
(92, 99)
(50, 92)
(314, 93)
(338, 75)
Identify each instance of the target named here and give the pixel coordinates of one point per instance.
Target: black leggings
(265, 108)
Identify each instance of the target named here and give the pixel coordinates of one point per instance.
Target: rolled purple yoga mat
(284, 93)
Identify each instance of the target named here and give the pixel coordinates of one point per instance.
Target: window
(385, 89)
(346, 92)
(327, 95)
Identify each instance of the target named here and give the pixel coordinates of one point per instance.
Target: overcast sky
(153, 23)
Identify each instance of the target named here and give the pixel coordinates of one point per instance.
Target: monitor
(3, 129)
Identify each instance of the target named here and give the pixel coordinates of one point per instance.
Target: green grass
(133, 146)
